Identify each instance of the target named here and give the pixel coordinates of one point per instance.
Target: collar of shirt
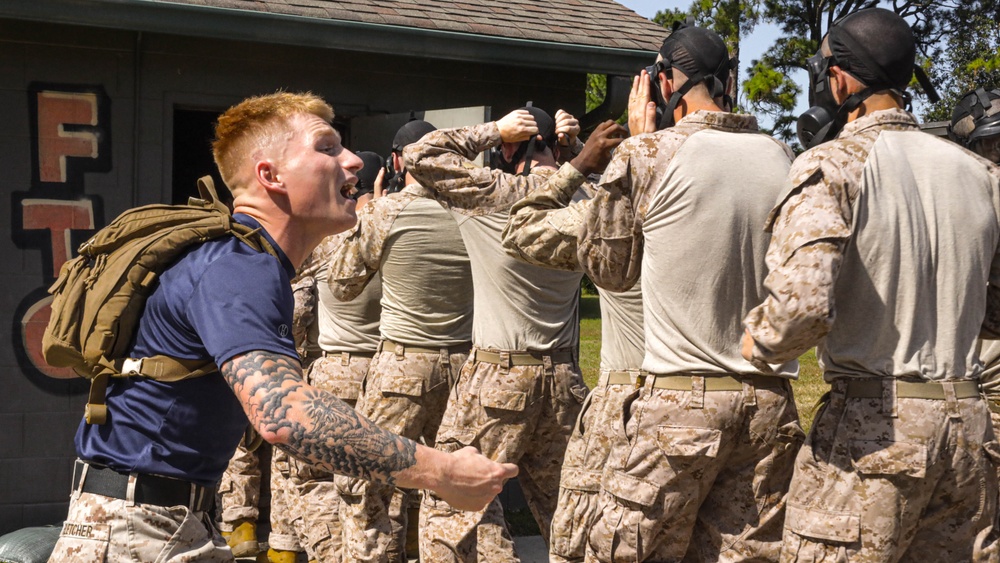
(721, 120)
(249, 221)
(418, 190)
(895, 118)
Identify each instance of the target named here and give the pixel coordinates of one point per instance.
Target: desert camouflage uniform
(989, 355)
(288, 519)
(543, 229)
(95, 531)
(883, 244)
(239, 489)
(517, 397)
(705, 454)
(413, 244)
(337, 342)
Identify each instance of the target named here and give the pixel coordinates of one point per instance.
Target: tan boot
(243, 540)
(276, 556)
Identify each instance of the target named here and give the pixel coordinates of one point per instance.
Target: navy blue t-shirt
(219, 300)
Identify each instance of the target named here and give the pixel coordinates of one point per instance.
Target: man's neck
(296, 243)
(686, 107)
(875, 102)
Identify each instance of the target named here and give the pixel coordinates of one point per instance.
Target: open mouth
(346, 190)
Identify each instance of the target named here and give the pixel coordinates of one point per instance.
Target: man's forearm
(312, 424)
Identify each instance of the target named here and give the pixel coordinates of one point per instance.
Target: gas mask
(394, 180)
(701, 55)
(824, 118)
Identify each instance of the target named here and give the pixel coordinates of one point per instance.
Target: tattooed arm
(315, 425)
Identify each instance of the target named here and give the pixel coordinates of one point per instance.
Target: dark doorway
(193, 133)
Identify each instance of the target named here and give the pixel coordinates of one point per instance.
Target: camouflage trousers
(308, 496)
(405, 393)
(882, 480)
(586, 455)
(100, 528)
(698, 474)
(519, 414)
(286, 526)
(239, 489)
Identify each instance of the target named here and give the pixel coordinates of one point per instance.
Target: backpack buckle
(132, 366)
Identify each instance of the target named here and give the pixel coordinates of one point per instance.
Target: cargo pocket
(81, 541)
(405, 386)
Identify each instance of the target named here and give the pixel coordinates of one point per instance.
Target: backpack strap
(96, 411)
(159, 367)
(206, 188)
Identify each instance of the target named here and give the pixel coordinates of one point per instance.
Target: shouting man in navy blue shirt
(147, 476)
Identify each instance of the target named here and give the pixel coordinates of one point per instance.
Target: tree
(971, 59)
(771, 91)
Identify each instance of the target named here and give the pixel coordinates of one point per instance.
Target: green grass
(808, 389)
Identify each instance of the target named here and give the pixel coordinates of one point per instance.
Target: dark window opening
(193, 133)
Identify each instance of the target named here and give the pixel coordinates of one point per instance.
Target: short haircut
(253, 123)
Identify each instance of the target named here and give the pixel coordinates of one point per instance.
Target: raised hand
(596, 153)
(517, 126)
(567, 128)
(641, 107)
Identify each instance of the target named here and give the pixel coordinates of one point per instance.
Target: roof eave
(264, 27)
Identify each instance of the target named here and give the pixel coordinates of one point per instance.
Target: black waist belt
(872, 389)
(149, 489)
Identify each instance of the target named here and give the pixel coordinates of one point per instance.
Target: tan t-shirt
(518, 306)
(426, 280)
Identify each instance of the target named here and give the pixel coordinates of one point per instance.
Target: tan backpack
(100, 295)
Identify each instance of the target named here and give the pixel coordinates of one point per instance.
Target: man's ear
(397, 161)
(266, 174)
(666, 86)
(840, 84)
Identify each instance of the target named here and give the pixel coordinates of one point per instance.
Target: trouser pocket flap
(844, 527)
(629, 488)
(409, 386)
(346, 390)
(505, 399)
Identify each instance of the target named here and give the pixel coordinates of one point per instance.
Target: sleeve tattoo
(314, 424)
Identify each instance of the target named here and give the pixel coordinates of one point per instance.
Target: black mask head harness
(526, 149)
(874, 45)
(366, 176)
(702, 56)
(410, 132)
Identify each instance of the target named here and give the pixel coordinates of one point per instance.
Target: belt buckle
(640, 380)
(132, 366)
